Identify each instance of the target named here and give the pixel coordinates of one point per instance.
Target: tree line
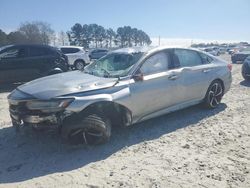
(87, 35)
(96, 35)
(30, 33)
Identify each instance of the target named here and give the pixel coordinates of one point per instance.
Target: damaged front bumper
(35, 119)
(22, 116)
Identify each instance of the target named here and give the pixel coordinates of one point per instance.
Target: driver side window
(156, 63)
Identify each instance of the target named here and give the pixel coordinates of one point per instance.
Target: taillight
(229, 66)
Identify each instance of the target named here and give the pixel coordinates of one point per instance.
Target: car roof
(149, 49)
(78, 47)
(28, 45)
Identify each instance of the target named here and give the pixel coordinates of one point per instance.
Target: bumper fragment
(33, 119)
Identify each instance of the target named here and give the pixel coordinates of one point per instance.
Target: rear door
(193, 72)
(41, 60)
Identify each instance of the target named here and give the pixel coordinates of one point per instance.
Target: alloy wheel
(79, 65)
(215, 94)
(86, 136)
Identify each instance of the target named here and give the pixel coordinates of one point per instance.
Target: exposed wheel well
(118, 114)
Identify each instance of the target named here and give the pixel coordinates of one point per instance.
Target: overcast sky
(190, 19)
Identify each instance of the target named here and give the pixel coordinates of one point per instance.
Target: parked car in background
(212, 51)
(246, 68)
(20, 63)
(97, 53)
(241, 55)
(126, 86)
(77, 57)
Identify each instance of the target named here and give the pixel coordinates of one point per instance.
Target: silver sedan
(124, 87)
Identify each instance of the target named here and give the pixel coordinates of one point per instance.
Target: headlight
(49, 106)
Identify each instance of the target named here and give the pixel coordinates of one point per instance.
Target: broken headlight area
(48, 106)
(38, 112)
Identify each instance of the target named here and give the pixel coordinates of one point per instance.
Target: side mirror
(138, 76)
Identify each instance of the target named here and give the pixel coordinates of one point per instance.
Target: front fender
(121, 96)
(80, 103)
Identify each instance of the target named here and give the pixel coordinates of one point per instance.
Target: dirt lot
(189, 148)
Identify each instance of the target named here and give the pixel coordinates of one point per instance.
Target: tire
(79, 65)
(91, 130)
(247, 78)
(214, 95)
(245, 70)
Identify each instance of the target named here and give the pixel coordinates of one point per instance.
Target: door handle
(173, 77)
(206, 70)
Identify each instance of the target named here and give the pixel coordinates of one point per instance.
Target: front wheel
(214, 95)
(91, 130)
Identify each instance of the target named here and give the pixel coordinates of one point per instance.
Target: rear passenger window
(69, 50)
(156, 63)
(205, 58)
(186, 58)
(38, 51)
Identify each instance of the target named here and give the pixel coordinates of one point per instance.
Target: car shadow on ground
(245, 83)
(29, 154)
(8, 87)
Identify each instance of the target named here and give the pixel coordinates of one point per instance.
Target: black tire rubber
(207, 100)
(80, 132)
(247, 78)
(81, 62)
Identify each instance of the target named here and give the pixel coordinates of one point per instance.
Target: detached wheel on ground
(214, 95)
(79, 65)
(91, 130)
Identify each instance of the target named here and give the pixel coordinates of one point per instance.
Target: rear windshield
(69, 50)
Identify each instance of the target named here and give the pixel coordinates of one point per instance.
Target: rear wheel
(79, 65)
(246, 77)
(91, 130)
(214, 95)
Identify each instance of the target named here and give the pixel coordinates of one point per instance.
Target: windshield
(113, 65)
(4, 47)
(208, 50)
(245, 50)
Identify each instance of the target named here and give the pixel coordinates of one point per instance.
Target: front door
(159, 88)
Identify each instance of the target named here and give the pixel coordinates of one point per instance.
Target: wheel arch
(117, 113)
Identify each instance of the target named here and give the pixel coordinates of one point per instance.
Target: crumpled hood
(65, 83)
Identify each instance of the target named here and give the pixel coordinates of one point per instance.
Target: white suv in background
(77, 57)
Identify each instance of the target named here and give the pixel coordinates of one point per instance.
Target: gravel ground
(193, 147)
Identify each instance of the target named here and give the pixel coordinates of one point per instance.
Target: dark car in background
(241, 55)
(21, 63)
(97, 53)
(246, 69)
